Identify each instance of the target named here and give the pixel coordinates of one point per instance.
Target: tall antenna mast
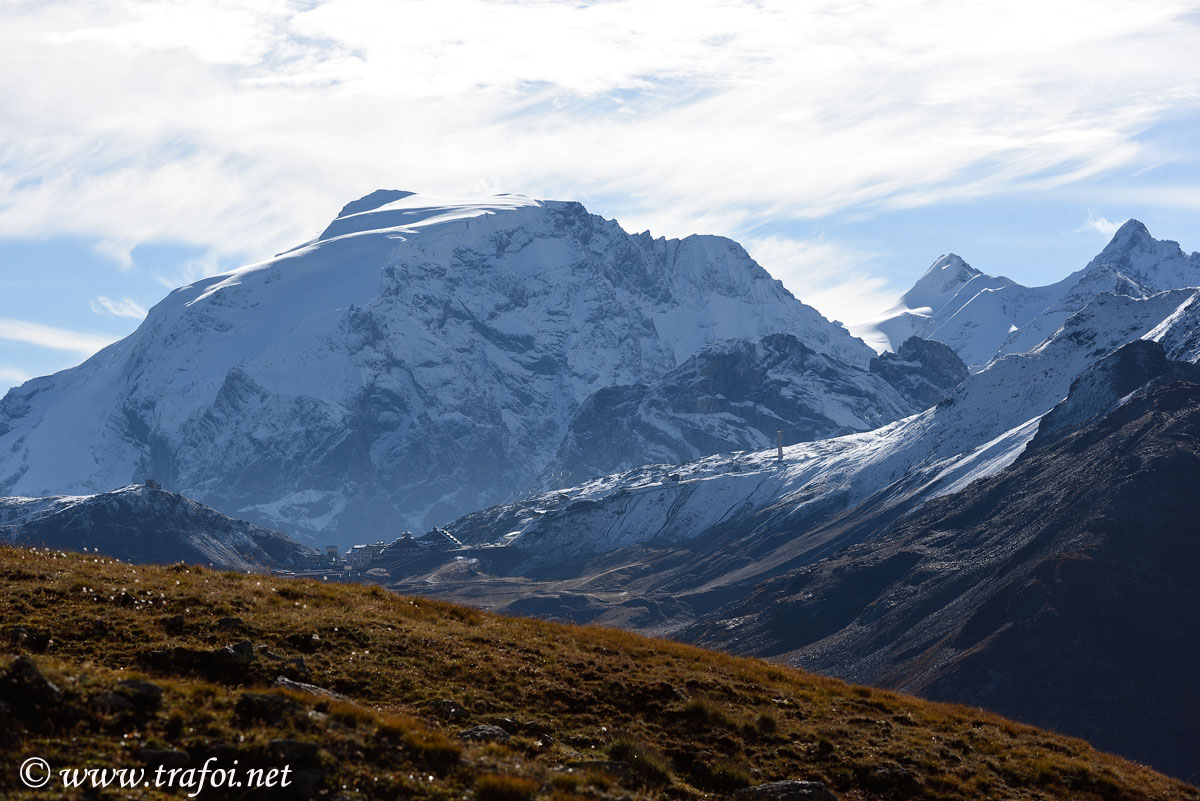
(779, 444)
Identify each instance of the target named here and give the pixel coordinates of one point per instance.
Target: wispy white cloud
(216, 33)
(1100, 224)
(120, 307)
(242, 126)
(834, 278)
(46, 336)
(11, 376)
(117, 249)
(1176, 196)
(192, 270)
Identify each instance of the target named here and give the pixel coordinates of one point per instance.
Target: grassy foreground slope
(585, 712)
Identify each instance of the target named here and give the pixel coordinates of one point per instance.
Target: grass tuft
(644, 763)
(496, 787)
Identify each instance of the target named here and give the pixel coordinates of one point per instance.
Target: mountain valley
(599, 427)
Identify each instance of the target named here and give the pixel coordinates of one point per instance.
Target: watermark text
(37, 773)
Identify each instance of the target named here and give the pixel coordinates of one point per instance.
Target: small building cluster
(360, 557)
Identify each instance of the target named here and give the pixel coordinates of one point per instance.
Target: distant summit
(1132, 233)
(944, 278)
(983, 316)
(1150, 264)
(931, 307)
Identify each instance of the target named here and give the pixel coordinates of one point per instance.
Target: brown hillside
(586, 713)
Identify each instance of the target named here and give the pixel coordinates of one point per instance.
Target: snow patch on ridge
(412, 213)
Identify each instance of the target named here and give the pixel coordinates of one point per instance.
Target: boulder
(145, 696)
(109, 703)
(449, 711)
(789, 790)
(297, 669)
(24, 638)
(298, 686)
(485, 733)
(235, 656)
(34, 699)
(267, 707)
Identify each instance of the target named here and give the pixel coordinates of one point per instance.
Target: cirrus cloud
(241, 126)
(120, 307)
(52, 337)
(835, 278)
(10, 376)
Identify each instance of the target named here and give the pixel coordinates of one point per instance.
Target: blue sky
(847, 145)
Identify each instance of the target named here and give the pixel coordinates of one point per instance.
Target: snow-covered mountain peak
(407, 213)
(1131, 234)
(1137, 264)
(984, 317)
(1152, 265)
(940, 282)
(421, 359)
(930, 310)
(373, 201)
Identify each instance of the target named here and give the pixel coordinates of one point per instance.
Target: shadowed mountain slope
(1061, 591)
(737, 394)
(146, 524)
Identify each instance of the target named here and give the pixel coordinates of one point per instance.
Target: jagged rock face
(146, 525)
(421, 359)
(1149, 264)
(735, 395)
(1053, 592)
(924, 371)
(1106, 384)
(1180, 334)
(1133, 264)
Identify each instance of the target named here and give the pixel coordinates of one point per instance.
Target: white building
(359, 557)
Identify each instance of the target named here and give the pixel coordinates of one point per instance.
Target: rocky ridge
(147, 524)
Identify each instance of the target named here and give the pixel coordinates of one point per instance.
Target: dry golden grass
(686, 722)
